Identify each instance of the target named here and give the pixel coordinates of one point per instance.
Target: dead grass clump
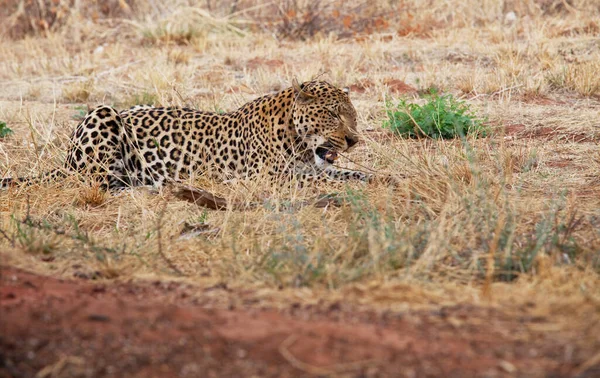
(184, 26)
(306, 19)
(301, 20)
(580, 27)
(142, 98)
(172, 33)
(34, 92)
(432, 192)
(179, 56)
(466, 84)
(21, 18)
(518, 160)
(463, 172)
(32, 17)
(557, 7)
(79, 91)
(582, 78)
(92, 195)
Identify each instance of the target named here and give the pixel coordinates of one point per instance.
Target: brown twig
(11, 240)
(203, 198)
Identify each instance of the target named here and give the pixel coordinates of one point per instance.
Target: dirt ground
(74, 328)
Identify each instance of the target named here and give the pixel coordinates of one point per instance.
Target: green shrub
(441, 117)
(4, 130)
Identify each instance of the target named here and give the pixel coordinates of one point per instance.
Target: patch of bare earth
(74, 328)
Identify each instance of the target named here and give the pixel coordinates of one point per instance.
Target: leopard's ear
(346, 90)
(301, 96)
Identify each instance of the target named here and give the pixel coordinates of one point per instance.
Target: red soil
(63, 328)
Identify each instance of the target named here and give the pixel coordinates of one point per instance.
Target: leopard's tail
(52, 175)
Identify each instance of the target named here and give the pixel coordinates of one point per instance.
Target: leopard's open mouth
(326, 154)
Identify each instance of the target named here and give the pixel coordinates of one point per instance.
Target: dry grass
(529, 193)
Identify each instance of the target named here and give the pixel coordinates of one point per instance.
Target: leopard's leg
(337, 174)
(96, 148)
(137, 170)
(308, 174)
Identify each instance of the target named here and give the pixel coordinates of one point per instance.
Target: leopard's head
(324, 119)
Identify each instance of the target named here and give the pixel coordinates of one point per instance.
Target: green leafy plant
(441, 117)
(80, 112)
(4, 130)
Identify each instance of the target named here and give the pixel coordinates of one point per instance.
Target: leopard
(298, 132)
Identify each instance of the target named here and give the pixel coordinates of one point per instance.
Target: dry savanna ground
(486, 254)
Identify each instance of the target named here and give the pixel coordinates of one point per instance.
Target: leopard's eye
(333, 114)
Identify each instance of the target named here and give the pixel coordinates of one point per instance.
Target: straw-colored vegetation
(510, 216)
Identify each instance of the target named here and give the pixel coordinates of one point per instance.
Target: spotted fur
(287, 134)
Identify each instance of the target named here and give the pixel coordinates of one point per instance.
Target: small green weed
(441, 117)
(80, 112)
(4, 130)
(36, 240)
(143, 98)
(41, 237)
(203, 217)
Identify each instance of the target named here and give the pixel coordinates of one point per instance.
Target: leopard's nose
(351, 141)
